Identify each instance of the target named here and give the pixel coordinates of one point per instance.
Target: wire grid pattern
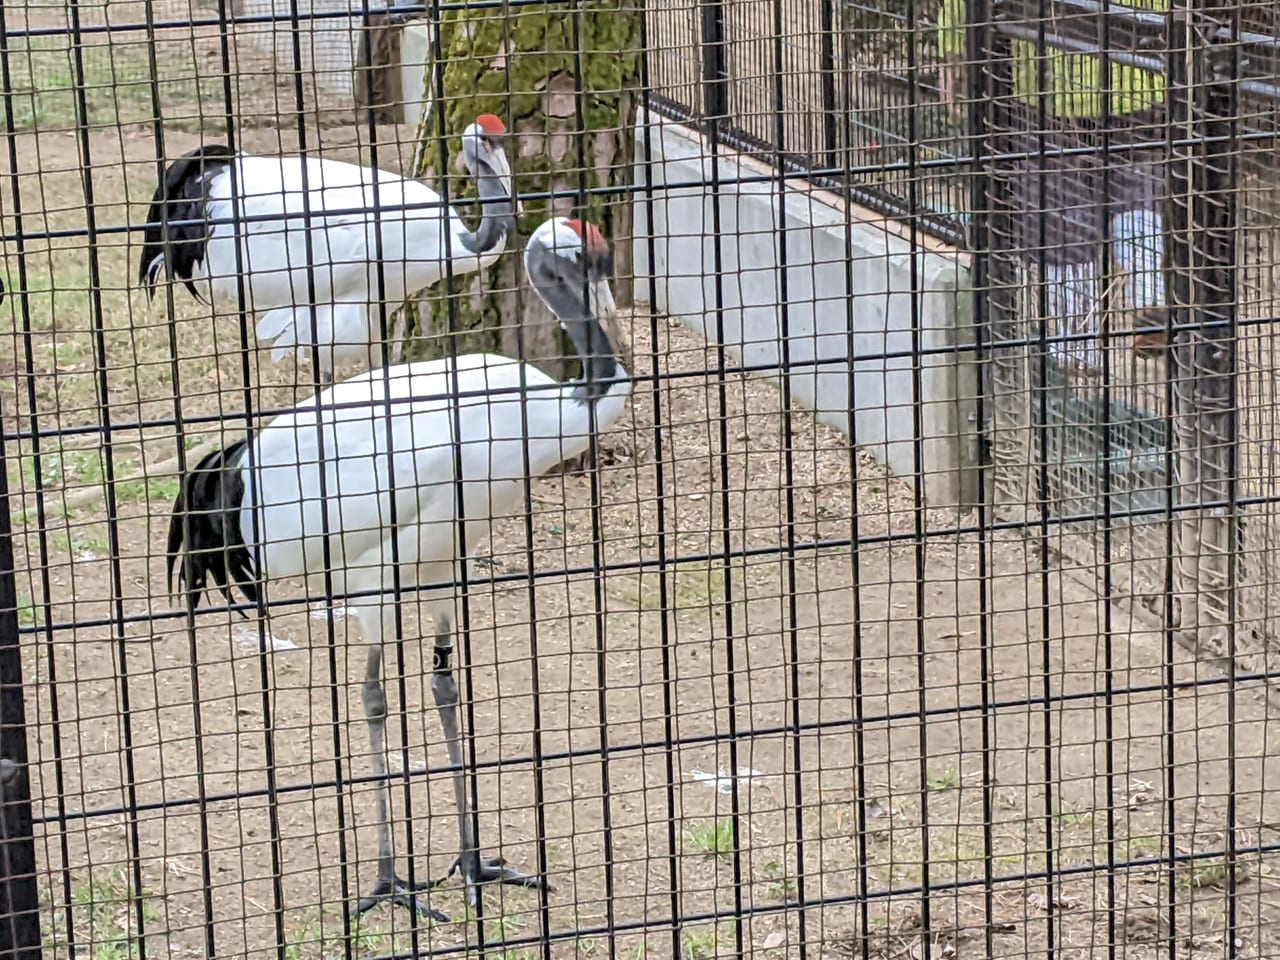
(756, 697)
(862, 78)
(1103, 405)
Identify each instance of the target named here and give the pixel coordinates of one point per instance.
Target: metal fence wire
(858, 422)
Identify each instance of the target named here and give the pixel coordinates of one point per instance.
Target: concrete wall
(818, 318)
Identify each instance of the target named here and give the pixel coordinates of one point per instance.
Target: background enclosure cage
(919, 604)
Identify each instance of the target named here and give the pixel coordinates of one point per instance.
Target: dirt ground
(888, 737)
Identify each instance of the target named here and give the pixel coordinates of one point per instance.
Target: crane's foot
(402, 894)
(476, 870)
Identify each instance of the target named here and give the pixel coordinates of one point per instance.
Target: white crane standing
(211, 530)
(269, 199)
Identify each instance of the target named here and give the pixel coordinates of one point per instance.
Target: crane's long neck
(497, 213)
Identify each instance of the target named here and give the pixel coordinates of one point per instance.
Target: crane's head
(569, 265)
(484, 153)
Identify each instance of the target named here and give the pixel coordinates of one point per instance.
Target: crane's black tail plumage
(204, 532)
(180, 196)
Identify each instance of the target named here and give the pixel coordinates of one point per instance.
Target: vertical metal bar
(42, 534)
(393, 522)
(108, 461)
(918, 466)
(977, 46)
(226, 19)
(264, 670)
(462, 629)
(1220, 197)
(19, 898)
(1180, 252)
(788, 460)
(1103, 342)
(197, 724)
(863, 872)
(827, 76)
(660, 484)
(716, 107)
(1041, 429)
(597, 536)
(384, 352)
(530, 558)
(1175, 60)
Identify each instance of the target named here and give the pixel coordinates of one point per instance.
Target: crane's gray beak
(600, 300)
(599, 364)
(502, 170)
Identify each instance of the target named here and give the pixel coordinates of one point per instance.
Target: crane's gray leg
(389, 886)
(474, 868)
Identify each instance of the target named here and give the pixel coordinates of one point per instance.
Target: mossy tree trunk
(519, 64)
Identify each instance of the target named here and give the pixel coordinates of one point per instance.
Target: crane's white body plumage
(334, 466)
(345, 227)
(357, 488)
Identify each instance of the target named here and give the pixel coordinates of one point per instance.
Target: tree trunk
(519, 63)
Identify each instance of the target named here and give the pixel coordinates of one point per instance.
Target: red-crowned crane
(211, 530)
(268, 197)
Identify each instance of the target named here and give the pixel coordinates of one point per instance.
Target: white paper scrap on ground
(247, 637)
(320, 611)
(723, 781)
(395, 764)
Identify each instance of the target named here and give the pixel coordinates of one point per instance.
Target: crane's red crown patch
(491, 125)
(591, 237)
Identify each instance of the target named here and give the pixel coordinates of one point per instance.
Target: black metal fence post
(19, 901)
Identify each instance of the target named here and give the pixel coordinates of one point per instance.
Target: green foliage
(104, 918)
(714, 839)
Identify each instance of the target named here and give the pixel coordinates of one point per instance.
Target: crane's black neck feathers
(181, 195)
(204, 532)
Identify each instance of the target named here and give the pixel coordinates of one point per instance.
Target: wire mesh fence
(875, 559)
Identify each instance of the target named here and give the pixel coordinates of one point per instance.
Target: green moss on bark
(519, 63)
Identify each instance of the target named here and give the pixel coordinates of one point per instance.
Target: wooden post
(1202, 248)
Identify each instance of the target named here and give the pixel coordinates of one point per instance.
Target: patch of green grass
(72, 468)
(104, 917)
(89, 540)
(692, 585)
(313, 935)
(61, 291)
(115, 82)
(161, 490)
(503, 927)
(702, 943)
(781, 887)
(1068, 817)
(28, 613)
(1202, 874)
(948, 779)
(713, 840)
(1142, 846)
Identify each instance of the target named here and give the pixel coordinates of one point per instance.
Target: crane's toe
(476, 870)
(402, 894)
